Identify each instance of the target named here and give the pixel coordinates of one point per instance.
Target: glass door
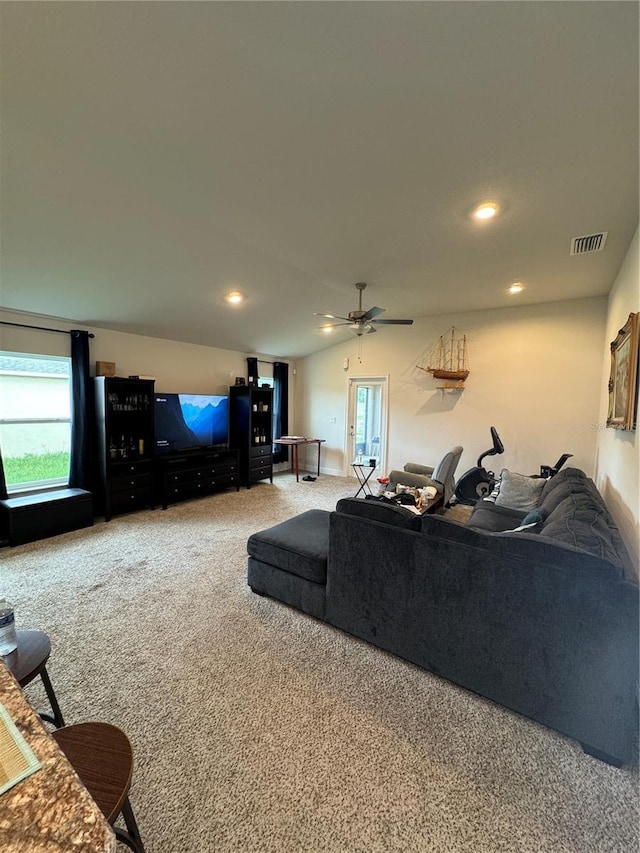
(367, 422)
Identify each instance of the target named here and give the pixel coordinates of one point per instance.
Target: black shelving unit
(251, 421)
(124, 444)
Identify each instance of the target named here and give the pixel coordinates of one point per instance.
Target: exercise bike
(477, 483)
(547, 471)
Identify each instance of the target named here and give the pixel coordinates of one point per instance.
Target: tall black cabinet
(124, 444)
(251, 420)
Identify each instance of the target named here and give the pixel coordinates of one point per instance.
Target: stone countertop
(50, 811)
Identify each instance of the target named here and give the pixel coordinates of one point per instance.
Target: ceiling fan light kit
(362, 322)
(487, 210)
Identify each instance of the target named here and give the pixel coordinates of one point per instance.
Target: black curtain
(252, 372)
(3, 482)
(81, 412)
(280, 409)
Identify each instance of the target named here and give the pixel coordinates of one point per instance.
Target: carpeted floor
(257, 728)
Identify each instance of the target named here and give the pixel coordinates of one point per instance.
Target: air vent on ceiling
(588, 243)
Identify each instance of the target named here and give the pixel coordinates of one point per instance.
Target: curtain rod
(41, 328)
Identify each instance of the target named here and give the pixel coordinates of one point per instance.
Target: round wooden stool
(102, 757)
(29, 660)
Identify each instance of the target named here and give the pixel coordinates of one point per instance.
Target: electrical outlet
(332, 419)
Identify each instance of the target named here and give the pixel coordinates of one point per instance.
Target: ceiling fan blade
(330, 316)
(373, 312)
(393, 322)
(361, 321)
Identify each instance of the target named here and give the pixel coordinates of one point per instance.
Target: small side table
(28, 661)
(363, 473)
(295, 442)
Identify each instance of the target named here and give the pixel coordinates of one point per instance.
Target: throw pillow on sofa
(517, 491)
(492, 518)
(536, 516)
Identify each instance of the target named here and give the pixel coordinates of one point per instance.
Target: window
(35, 420)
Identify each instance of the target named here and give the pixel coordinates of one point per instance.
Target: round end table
(28, 661)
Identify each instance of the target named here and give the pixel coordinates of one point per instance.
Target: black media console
(195, 472)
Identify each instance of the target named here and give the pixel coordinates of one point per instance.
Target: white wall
(618, 451)
(535, 376)
(177, 367)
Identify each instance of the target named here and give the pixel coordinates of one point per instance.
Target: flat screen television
(190, 421)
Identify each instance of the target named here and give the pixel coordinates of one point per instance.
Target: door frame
(362, 379)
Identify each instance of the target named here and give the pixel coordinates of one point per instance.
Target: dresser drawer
(187, 490)
(134, 482)
(118, 470)
(261, 473)
(260, 450)
(189, 475)
(132, 499)
(261, 462)
(224, 468)
(230, 479)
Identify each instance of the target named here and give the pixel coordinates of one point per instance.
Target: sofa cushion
(583, 501)
(299, 545)
(531, 548)
(518, 491)
(572, 476)
(584, 528)
(487, 516)
(377, 511)
(552, 498)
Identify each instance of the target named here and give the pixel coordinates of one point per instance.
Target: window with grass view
(35, 419)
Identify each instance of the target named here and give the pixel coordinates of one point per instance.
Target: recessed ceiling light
(327, 329)
(487, 210)
(234, 297)
(516, 287)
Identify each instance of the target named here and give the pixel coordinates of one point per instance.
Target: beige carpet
(257, 728)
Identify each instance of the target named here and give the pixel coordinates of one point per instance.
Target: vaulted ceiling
(157, 155)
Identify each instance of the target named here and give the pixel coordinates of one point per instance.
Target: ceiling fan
(362, 322)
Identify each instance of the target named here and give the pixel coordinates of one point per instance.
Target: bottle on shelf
(8, 636)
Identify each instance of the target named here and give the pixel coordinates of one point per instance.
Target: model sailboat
(451, 360)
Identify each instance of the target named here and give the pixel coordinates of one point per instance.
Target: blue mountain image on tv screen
(208, 421)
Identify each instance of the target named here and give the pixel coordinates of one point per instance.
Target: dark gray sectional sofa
(543, 621)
